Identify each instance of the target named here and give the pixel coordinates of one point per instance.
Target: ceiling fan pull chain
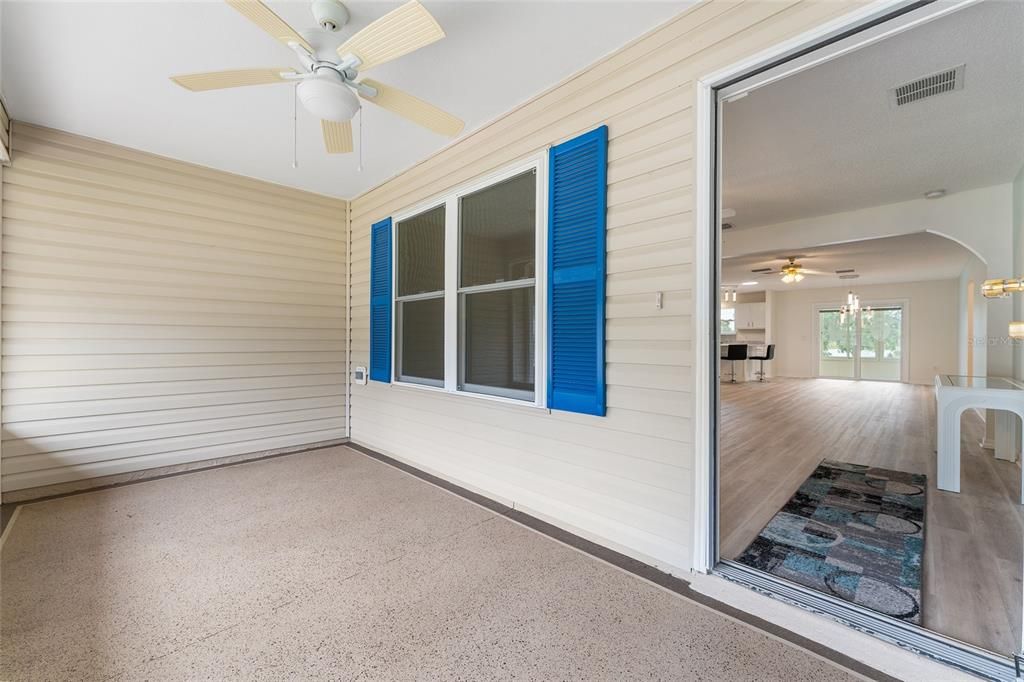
(359, 168)
(295, 126)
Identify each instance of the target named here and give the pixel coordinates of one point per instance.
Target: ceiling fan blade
(414, 109)
(397, 33)
(261, 15)
(337, 136)
(218, 80)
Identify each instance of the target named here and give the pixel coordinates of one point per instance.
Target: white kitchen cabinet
(750, 315)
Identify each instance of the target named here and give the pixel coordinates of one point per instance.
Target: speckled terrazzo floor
(332, 565)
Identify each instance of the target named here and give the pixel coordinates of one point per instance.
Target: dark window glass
(499, 342)
(421, 253)
(497, 227)
(421, 355)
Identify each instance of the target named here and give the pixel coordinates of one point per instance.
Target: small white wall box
(359, 375)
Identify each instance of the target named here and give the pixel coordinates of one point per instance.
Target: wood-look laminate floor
(774, 435)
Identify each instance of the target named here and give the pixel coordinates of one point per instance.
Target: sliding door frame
(872, 23)
(904, 307)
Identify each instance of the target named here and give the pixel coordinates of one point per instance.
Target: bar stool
(767, 354)
(734, 352)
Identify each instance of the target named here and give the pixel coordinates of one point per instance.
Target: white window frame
(453, 293)
(397, 300)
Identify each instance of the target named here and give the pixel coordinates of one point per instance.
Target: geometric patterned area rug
(852, 531)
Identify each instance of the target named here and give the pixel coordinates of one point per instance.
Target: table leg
(948, 437)
(1007, 440)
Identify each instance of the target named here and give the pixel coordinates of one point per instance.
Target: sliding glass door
(863, 345)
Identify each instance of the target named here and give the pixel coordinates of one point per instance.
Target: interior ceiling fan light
(327, 97)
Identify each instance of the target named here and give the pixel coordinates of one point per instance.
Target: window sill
(465, 395)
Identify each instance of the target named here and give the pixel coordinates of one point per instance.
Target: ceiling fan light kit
(793, 272)
(326, 96)
(329, 89)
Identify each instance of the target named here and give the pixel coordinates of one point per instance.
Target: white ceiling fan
(328, 85)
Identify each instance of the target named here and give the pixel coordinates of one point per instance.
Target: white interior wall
(1018, 266)
(932, 347)
(969, 286)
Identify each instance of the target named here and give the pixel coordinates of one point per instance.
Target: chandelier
(852, 308)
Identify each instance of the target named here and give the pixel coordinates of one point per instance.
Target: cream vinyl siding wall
(157, 313)
(624, 480)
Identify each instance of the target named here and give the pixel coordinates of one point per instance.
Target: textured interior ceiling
(101, 69)
(827, 140)
(916, 257)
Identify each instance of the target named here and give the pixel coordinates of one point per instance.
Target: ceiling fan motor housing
(326, 96)
(330, 15)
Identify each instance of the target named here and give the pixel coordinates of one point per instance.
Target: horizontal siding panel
(622, 431)
(170, 361)
(148, 304)
(53, 206)
(42, 170)
(122, 316)
(668, 228)
(124, 450)
(71, 444)
(172, 238)
(119, 195)
(92, 408)
(72, 331)
(55, 266)
(661, 328)
(597, 470)
(157, 313)
(107, 376)
(652, 256)
(62, 473)
(35, 396)
(665, 377)
(161, 288)
(645, 305)
(513, 465)
(90, 250)
(183, 416)
(184, 172)
(93, 347)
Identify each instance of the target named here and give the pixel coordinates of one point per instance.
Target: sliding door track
(951, 652)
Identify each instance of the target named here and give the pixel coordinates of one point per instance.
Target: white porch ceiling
(827, 140)
(101, 69)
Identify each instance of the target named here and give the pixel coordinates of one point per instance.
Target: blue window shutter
(578, 179)
(380, 301)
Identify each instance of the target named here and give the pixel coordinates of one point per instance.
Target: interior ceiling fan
(329, 81)
(791, 271)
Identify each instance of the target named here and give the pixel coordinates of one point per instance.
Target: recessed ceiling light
(747, 284)
(935, 194)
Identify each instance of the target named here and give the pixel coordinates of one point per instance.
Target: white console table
(954, 394)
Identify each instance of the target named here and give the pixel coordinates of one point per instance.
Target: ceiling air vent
(928, 86)
(845, 271)
(762, 270)
(848, 276)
